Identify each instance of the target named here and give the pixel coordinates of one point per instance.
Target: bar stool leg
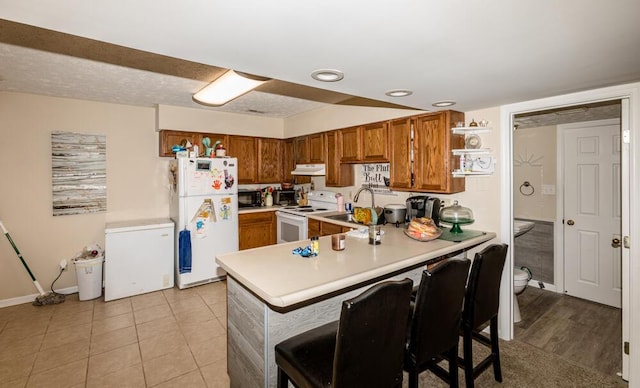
(493, 328)
(468, 358)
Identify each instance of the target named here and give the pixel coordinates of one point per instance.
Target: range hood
(309, 169)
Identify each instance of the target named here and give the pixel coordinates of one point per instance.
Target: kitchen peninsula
(273, 294)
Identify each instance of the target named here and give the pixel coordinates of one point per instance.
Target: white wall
(534, 161)
(202, 120)
(136, 182)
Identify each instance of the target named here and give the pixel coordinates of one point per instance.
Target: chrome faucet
(355, 198)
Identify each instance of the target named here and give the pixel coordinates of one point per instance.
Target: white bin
(89, 273)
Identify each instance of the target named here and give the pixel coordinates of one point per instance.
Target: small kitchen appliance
(423, 206)
(249, 198)
(284, 197)
(395, 214)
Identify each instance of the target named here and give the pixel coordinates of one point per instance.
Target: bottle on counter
(268, 200)
(340, 201)
(315, 245)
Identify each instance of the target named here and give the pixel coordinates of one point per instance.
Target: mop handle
(24, 263)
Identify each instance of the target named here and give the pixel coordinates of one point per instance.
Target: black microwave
(249, 198)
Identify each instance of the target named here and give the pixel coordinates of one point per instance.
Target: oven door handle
(288, 216)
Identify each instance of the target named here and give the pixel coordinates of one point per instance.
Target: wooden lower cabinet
(319, 228)
(257, 229)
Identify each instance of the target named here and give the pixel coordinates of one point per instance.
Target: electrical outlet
(63, 264)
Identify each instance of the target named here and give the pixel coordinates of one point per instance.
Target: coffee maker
(423, 206)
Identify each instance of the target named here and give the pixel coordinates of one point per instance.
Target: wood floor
(577, 330)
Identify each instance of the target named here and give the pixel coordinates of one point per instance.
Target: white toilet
(520, 280)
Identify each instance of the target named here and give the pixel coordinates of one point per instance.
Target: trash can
(89, 273)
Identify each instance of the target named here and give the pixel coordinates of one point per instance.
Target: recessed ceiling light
(327, 75)
(442, 104)
(399, 93)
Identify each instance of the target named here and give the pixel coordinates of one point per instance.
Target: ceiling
(479, 54)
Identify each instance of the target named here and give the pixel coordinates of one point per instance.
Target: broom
(45, 297)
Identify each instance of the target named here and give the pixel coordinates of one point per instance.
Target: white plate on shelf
(472, 142)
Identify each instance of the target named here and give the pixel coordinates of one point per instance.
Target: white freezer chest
(138, 257)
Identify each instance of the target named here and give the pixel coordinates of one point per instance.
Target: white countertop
(258, 209)
(283, 279)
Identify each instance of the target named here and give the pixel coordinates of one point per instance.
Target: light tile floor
(169, 338)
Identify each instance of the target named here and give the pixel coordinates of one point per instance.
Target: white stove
(319, 201)
(292, 220)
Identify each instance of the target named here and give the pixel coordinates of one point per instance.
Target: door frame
(558, 232)
(507, 112)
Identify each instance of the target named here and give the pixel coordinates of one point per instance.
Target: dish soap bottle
(268, 200)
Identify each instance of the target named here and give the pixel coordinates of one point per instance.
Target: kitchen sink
(347, 217)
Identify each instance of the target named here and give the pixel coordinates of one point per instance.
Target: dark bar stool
(481, 306)
(435, 327)
(363, 349)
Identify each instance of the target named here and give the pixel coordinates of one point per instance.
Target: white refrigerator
(204, 208)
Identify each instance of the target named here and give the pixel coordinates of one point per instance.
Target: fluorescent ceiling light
(442, 104)
(227, 87)
(327, 75)
(399, 93)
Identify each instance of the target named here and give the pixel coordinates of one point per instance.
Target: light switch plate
(548, 189)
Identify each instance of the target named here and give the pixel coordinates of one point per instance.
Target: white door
(592, 211)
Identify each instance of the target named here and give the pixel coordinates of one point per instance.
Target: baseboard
(31, 298)
(547, 286)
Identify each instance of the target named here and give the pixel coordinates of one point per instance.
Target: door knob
(616, 243)
(570, 222)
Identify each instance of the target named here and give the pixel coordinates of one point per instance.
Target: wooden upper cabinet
(288, 160)
(351, 145)
(270, 159)
(338, 174)
(317, 149)
(400, 154)
(169, 138)
(301, 149)
(245, 148)
(366, 143)
(375, 143)
(289, 163)
(433, 159)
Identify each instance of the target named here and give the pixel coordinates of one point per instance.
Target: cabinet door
(245, 149)
(375, 138)
(269, 160)
(400, 154)
(288, 160)
(256, 230)
(316, 148)
(434, 162)
(351, 145)
(213, 138)
(289, 163)
(328, 228)
(338, 174)
(170, 138)
(313, 228)
(302, 150)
